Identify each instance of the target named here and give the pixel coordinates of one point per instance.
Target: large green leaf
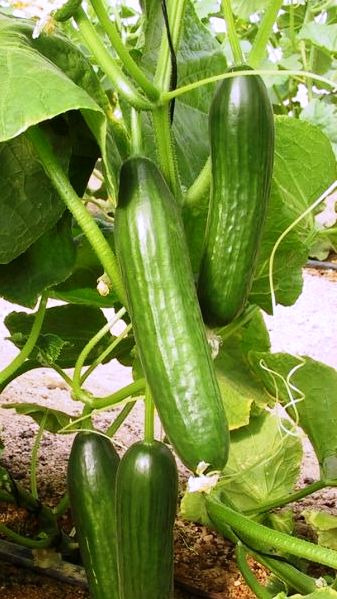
(244, 9)
(263, 464)
(317, 408)
(65, 331)
(323, 115)
(320, 34)
(81, 286)
(27, 74)
(54, 77)
(53, 420)
(304, 168)
(45, 263)
(325, 526)
(240, 389)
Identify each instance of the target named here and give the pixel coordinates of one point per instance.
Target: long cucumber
(146, 502)
(92, 469)
(241, 131)
(166, 317)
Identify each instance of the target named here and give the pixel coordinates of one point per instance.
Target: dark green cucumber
(146, 502)
(166, 317)
(241, 130)
(92, 471)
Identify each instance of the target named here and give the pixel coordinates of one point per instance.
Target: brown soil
(204, 564)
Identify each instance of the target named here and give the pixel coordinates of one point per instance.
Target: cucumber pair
(124, 511)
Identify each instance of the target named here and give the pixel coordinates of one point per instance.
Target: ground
(204, 564)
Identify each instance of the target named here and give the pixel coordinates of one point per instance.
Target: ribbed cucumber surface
(241, 130)
(166, 317)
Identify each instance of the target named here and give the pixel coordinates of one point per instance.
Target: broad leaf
(323, 115)
(320, 34)
(239, 387)
(317, 390)
(54, 419)
(81, 286)
(263, 464)
(29, 204)
(26, 73)
(244, 9)
(54, 77)
(304, 168)
(325, 526)
(45, 263)
(65, 331)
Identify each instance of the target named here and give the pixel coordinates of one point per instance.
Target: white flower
(203, 483)
(41, 10)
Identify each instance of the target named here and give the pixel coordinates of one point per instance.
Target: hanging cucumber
(146, 502)
(92, 471)
(241, 130)
(166, 318)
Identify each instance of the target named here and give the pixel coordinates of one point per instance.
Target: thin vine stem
(26, 541)
(76, 383)
(34, 456)
(162, 76)
(136, 132)
(28, 347)
(200, 187)
(91, 230)
(308, 490)
(306, 212)
(180, 91)
(120, 81)
(151, 91)
(149, 417)
(117, 423)
(106, 352)
(259, 48)
(231, 32)
(166, 156)
(241, 558)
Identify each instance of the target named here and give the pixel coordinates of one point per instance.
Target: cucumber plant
(165, 172)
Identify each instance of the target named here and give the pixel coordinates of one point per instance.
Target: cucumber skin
(167, 322)
(146, 502)
(92, 469)
(241, 131)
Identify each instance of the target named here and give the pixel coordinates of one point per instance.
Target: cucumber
(92, 468)
(146, 502)
(166, 317)
(241, 131)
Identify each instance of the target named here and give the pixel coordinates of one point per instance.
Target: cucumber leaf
(46, 262)
(325, 526)
(54, 419)
(263, 465)
(317, 409)
(81, 286)
(26, 73)
(320, 34)
(304, 168)
(240, 389)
